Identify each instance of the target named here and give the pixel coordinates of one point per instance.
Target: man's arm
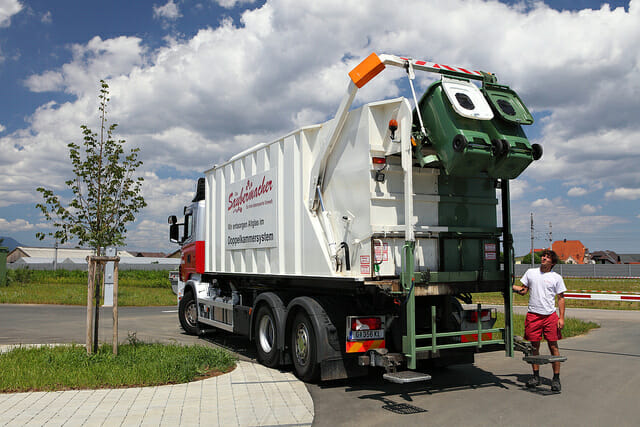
(522, 290)
(561, 310)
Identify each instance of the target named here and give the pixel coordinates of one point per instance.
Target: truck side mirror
(173, 219)
(174, 233)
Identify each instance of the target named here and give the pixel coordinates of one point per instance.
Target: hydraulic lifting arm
(361, 75)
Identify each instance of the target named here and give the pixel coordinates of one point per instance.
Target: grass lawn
(135, 288)
(137, 364)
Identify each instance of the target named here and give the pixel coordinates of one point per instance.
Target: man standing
(543, 285)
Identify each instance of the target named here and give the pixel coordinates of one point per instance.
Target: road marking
(170, 311)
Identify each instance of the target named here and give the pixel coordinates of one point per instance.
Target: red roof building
(570, 251)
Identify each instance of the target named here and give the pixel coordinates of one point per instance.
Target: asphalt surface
(600, 380)
(600, 387)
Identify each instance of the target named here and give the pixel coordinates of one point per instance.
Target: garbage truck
(358, 244)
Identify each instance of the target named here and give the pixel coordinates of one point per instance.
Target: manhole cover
(403, 408)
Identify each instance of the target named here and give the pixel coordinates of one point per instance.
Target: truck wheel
(266, 337)
(188, 314)
(303, 348)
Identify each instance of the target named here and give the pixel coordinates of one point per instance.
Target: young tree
(106, 195)
(527, 258)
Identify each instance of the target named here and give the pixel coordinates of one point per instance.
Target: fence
(565, 270)
(123, 266)
(589, 270)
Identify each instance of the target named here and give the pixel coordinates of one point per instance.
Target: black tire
(459, 143)
(497, 147)
(266, 337)
(536, 151)
(506, 147)
(188, 314)
(304, 346)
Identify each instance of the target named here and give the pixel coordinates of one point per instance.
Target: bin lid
(466, 99)
(507, 104)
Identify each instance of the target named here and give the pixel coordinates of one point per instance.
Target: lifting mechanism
(510, 154)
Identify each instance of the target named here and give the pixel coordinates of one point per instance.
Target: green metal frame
(410, 277)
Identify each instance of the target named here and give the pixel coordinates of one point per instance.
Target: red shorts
(537, 325)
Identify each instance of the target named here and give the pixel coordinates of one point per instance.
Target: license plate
(376, 334)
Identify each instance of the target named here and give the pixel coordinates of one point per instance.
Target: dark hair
(552, 254)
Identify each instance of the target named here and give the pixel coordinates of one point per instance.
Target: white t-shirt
(543, 288)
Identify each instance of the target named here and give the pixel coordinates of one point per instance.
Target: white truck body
(359, 207)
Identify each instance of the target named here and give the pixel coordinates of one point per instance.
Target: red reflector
(484, 315)
(474, 337)
(379, 160)
(362, 346)
(366, 324)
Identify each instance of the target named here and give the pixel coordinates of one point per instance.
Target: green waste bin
(511, 149)
(454, 113)
(475, 132)
(3, 265)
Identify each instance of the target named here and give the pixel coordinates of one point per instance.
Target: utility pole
(532, 257)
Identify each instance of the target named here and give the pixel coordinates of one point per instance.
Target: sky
(193, 82)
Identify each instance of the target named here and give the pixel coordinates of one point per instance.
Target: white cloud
(47, 18)
(8, 8)
(17, 225)
(229, 4)
(543, 203)
(590, 209)
(518, 188)
(624, 193)
(196, 101)
(45, 82)
(98, 59)
(576, 192)
(169, 11)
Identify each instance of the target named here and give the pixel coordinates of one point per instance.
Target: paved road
(601, 379)
(600, 387)
(43, 324)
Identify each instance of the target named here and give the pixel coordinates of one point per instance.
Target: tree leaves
(106, 192)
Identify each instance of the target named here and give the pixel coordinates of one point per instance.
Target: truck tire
(266, 336)
(304, 348)
(188, 314)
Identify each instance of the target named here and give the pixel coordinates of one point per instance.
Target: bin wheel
(303, 348)
(497, 147)
(459, 143)
(266, 336)
(536, 151)
(188, 314)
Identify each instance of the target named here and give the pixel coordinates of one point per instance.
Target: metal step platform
(406, 377)
(543, 359)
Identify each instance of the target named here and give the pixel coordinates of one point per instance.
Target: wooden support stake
(115, 308)
(90, 290)
(99, 268)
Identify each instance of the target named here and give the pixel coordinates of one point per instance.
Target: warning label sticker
(365, 264)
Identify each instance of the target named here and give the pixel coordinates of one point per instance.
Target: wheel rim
(190, 314)
(302, 344)
(266, 333)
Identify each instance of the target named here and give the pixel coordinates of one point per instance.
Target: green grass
(137, 364)
(572, 327)
(135, 288)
